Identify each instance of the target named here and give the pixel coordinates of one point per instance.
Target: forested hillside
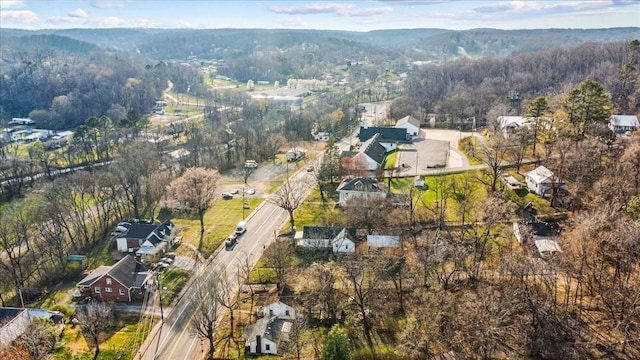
(481, 88)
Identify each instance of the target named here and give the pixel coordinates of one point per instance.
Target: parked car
(309, 168)
(245, 204)
(167, 261)
(251, 191)
(227, 196)
(170, 255)
(233, 192)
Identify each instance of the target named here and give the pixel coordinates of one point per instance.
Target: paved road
(174, 339)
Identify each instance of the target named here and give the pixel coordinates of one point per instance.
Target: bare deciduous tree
(289, 197)
(207, 310)
(94, 318)
(195, 189)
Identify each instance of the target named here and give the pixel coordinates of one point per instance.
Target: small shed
(77, 261)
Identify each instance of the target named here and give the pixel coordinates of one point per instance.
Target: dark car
(227, 196)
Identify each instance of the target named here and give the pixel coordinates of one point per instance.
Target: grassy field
(219, 221)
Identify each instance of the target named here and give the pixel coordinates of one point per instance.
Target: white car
(251, 191)
(233, 192)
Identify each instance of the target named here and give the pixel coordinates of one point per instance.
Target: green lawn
(219, 221)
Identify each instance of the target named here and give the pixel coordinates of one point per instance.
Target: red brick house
(124, 281)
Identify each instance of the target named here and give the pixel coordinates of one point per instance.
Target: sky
(356, 15)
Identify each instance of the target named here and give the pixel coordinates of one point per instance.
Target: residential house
(321, 136)
(383, 241)
(541, 181)
(546, 247)
(360, 187)
(15, 321)
(126, 281)
(510, 124)
(149, 241)
(411, 124)
(623, 123)
(370, 157)
(266, 335)
(280, 310)
(389, 136)
(335, 238)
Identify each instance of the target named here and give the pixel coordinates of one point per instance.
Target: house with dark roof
(360, 187)
(15, 321)
(266, 335)
(149, 241)
(623, 123)
(411, 124)
(389, 136)
(370, 157)
(338, 239)
(126, 280)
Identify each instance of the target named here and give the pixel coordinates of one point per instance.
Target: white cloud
(23, 17)
(77, 13)
(341, 9)
(11, 4)
(107, 4)
(292, 22)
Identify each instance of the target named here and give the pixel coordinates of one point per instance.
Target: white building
(280, 310)
(541, 181)
(411, 124)
(623, 123)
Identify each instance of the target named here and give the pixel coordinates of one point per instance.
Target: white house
(383, 240)
(510, 124)
(337, 239)
(541, 180)
(360, 187)
(411, 124)
(321, 136)
(546, 247)
(280, 310)
(623, 123)
(265, 335)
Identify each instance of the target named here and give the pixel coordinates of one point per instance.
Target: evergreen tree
(337, 346)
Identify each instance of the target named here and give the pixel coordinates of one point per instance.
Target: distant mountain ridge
(419, 44)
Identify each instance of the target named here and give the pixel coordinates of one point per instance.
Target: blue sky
(363, 15)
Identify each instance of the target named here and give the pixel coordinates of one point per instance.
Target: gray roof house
(338, 239)
(411, 124)
(156, 238)
(361, 187)
(124, 281)
(15, 321)
(265, 335)
(370, 157)
(387, 134)
(623, 123)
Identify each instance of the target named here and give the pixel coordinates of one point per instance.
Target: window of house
(96, 290)
(108, 289)
(108, 281)
(121, 292)
(270, 311)
(286, 312)
(267, 347)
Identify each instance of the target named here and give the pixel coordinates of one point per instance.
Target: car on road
(233, 192)
(231, 240)
(251, 191)
(167, 261)
(170, 255)
(227, 196)
(309, 168)
(241, 228)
